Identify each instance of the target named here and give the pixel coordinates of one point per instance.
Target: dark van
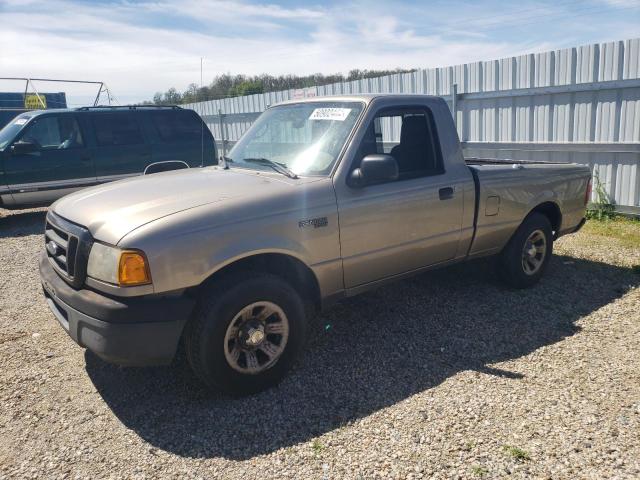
(46, 154)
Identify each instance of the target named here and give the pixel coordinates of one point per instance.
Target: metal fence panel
(577, 104)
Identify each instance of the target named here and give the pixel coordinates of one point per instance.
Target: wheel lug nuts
(254, 336)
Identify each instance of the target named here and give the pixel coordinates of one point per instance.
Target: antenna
(202, 123)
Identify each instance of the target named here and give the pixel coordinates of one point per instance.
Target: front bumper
(140, 331)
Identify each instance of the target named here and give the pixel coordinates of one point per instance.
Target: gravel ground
(447, 375)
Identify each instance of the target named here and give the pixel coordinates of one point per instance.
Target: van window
(117, 129)
(54, 132)
(11, 129)
(177, 127)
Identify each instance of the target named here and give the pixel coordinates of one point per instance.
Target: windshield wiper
(278, 167)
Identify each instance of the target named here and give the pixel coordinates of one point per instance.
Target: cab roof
(362, 97)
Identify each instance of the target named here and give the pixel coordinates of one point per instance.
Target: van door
(120, 148)
(48, 160)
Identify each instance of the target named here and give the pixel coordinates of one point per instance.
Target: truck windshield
(306, 138)
(11, 129)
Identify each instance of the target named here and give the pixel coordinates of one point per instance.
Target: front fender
(181, 257)
(236, 251)
(186, 248)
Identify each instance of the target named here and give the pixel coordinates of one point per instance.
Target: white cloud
(238, 9)
(127, 46)
(621, 3)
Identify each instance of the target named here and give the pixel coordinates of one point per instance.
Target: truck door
(48, 160)
(413, 222)
(120, 148)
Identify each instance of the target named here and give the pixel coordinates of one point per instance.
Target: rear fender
(542, 197)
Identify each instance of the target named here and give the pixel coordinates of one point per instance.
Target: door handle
(445, 193)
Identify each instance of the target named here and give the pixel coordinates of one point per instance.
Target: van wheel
(525, 258)
(246, 333)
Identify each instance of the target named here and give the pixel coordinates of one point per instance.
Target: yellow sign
(34, 102)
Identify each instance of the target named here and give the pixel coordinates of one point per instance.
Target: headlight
(133, 269)
(119, 267)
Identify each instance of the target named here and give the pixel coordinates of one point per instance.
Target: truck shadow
(365, 354)
(22, 223)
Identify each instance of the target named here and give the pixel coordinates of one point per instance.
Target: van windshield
(306, 138)
(10, 130)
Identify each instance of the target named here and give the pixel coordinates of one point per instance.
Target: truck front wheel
(246, 333)
(525, 258)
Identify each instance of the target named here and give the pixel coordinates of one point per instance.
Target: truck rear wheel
(525, 258)
(246, 333)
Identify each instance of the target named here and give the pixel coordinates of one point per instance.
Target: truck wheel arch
(552, 211)
(298, 274)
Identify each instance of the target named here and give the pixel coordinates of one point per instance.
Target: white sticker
(20, 121)
(339, 114)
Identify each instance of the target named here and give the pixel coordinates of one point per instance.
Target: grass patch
(516, 453)
(603, 208)
(317, 447)
(479, 471)
(467, 447)
(624, 230)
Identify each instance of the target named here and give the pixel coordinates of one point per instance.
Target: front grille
(61, 248)
(67, 246)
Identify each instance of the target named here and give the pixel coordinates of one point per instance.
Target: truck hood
(112, 210)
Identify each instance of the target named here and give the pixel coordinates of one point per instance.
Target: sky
(141, 47)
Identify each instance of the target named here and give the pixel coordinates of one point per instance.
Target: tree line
(228, 85)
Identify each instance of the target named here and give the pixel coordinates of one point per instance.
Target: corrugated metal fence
(578, 105)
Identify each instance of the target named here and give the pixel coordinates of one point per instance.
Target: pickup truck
(320, 199)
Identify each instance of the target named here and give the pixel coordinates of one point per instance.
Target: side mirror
(375, 168)
(21, 148)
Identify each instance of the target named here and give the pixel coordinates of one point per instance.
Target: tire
(221, 342)
(522, 269)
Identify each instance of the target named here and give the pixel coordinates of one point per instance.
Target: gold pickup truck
(321, 199)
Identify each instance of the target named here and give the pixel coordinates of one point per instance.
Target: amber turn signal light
(133, 269)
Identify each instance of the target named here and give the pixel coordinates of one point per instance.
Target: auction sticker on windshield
(339, 114)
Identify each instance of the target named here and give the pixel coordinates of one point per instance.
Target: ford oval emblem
(52, 248)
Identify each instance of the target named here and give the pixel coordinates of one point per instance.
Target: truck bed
(507, 190)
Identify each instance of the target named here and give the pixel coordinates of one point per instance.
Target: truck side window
(408, 135)
(116, 129)
(55, 132)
